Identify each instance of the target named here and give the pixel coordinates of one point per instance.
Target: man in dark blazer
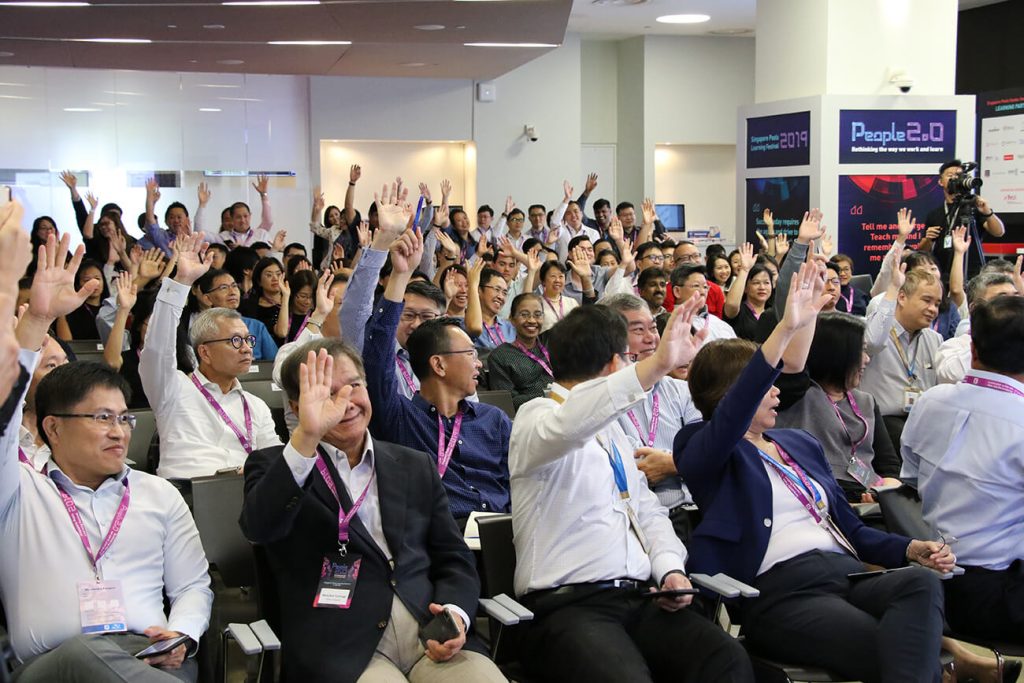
(413, 562)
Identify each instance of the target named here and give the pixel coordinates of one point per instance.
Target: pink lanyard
(405, 374)
(655, 413)
(860, 416)
(444, 454)
(244, 439)
(301, 327)
(344, 518)
(848, 300)
(757, 316)
(992, 384)
(24, 458)
(529, 354)
(561, 310)
(76, 521)
(496, 330)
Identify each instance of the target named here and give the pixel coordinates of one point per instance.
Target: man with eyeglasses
(89, 548)
(687, 254)
(686, 280)
(218, 289)
(205, 419)
(468, 441)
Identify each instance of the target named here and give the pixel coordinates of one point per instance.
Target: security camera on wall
(530, 132)
(902, 80)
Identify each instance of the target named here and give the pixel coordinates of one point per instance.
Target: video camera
(965, 184)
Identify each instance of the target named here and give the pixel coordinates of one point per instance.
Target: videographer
(939, 223)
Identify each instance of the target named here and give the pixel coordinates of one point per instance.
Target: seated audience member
(851, 299)
(294, 249)
(523, 365)
(590, 537)
(718, 271)
(81, 322)
(652, 284)
(953, 357)
(32, 449)
(668, 250)
(585, 280)
(902, 346)
(412, 561)
(218, 254)
(688, 279)
(201, 416)
(649, 255)
(126, 361)
(653, 424)
(267, 301)
(825, 400)
(460, 232)
(70, 534)
(218, 289)
(947, 317)
(774, 517)
(454, 282)
(487, 292)
(467, 440)
(301, 295)
(556, 304)
(568, 222)
(747, 306)
(963, 448)
(241, 234)
(687, 253)
(606, 258)
(176, 219)
(240, 262)
(802, 249)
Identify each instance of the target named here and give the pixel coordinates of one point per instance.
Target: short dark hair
(584, 341)
(669, 243)
(833, 266)
(454, 212)
(111, 207)
(837, 350)
(428, 340)
(68, 385)
(622, 206)
(486, 208)
(90, 263)
(602, 204)
(546, 267)
(645, 247)
(714, 249)
(842, 258)
(977, 285)
(605, 252)
(650, 274)
(217, 246)
(715, 369)
(172, 206)
(950, 164)
(239, 260)
(260, 245)
(488, 274)
(537, 206)
(428, 290)
(298, 280)
(238, 205)
(516, 212)
(335, 347)
(293, 262)
(756, 270)
(530, 243)
(295, 245)
(918, 259)
(257, 272)
(997, 334)
(576, 241)
(205, 281)
(681, 273)
(521, 299)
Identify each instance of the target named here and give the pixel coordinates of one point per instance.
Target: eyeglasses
(516, 219)
(654, 258)
(689, 258)
(833, 281)
(233, 287)
(423, 316)
(499, 290)
(473, 352)
(629, 357)
(528, 315)
(236, 341)
(105, 419)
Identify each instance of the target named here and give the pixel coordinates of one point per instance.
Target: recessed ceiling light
(45, 4)
(510, 45)
(231, 62)
(240, 99)
(81, 109)
(6, 54)
(172, 26)
(214, 27)
(14, 85)
(216, 85)
(429, 27)
(122, 92)
(270, 3)
(731, 32)
(208, 109)
(110, 40)
(103, 104)
(309, 42)
(14, 97)
(413, 65)
(683, 19)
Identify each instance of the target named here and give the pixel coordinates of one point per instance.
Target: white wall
(792, 50)
(599, 69)
(703, 178)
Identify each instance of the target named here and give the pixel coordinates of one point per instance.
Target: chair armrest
(514, 607)
(502, 615)
(725, 585)
(246, 639)
(268, 639)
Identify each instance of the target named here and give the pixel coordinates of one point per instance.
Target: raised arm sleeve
(358, 303)
(158, 362)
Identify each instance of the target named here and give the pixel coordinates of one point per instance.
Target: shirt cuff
(190, 625)
(173, 293)
(29, 359)
(300, 465)
(465, 617)
(665, 562)
(625, 390)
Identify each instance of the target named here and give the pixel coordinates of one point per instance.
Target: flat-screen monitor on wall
(672, 216)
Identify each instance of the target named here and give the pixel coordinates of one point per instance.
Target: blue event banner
(787, 198)
(896, 136)
(779, 140)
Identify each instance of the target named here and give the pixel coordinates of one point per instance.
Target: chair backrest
(263, 370)
(96, 356)
(80, 346)
(497, 554)
(862, 282)
(499, 399)
(267, 391)
(901, 510)
(216, 507)
(142, 439)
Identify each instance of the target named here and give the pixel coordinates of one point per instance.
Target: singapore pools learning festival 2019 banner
(867, 210)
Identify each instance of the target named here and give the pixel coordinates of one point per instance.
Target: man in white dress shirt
(590, 536)
(31, 447)
(205, 419)
(89, 548)
(953, 359)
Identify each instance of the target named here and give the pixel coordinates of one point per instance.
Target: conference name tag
(862, 472)
(910, 396)
(338, 577)
(101, 606)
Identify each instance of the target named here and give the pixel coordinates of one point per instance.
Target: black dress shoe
(1011, 670)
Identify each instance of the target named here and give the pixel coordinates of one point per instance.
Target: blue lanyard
(615, 460)
(796, 480)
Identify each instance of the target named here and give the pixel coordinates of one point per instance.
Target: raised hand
(192, 259)
(406, 252)
(533, 262)
(203, 194)
(904, 225)
(93, 201)
(1018, 275)
(441, 217)
(482, 246)
(810, 227)
(473, 274)
(53, 287)
(578, 263)
(69, 179)
(769, 221)
(747, 259)
(591, 183)
(127, 292)
(319, 410)
(553, 234)
(15, 246)
(363, 232)
(679, 344)
(827, 248)
(355, 172)
(567, 189)
(806, 296)
(151, 264)
(261, 184)
(393, 210)
(450, 286)
(961, 240)
(647, 207)
(615, 230)
(324, 301)
(446, 191)
(781, 245)
(286, 289)
(509, 205)
(318, 201)
(425, 192)
(152, 191)
(447, 244)
(279, 238)
(762, 240)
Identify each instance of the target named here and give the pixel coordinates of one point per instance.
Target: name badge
(862, 472)
(910, 397)
(947, 242)
(338, 577)
(101, 606)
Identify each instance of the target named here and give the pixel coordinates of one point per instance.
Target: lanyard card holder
(338, 576)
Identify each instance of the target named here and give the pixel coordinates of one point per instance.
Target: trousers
(100, 659)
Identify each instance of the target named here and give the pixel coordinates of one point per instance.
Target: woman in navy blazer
(760, 529)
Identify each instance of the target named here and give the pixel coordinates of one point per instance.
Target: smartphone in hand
(441, 628)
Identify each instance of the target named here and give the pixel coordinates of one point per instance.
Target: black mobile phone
(161, 647)
(671, 593)
(441, 628)
(878, 572)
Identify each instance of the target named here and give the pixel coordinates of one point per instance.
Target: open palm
(53, 287)
(806, 295)
(319, 411)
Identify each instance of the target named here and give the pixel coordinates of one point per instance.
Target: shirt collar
(64, 481)
(208, 383)
(338, 455)
(995, 376)
(468, 407)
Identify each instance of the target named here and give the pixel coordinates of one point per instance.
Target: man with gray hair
(953, 359)
(206, 421)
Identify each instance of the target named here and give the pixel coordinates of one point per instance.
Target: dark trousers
(886, 628)
(616, 636)
(894, 424)
(100, 659)
(987, 604)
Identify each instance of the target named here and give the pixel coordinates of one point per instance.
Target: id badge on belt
(101, 606)
(338, 576)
